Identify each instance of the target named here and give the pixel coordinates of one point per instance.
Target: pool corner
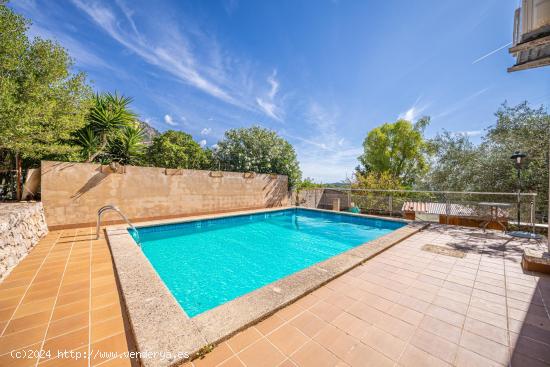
(149, 302)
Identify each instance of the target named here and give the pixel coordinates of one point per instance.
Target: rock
(21, 227)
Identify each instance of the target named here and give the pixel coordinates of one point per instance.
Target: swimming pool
(206, 263)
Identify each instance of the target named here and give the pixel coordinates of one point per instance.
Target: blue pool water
(209, 262)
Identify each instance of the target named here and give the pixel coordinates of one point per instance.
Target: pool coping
(163, 332)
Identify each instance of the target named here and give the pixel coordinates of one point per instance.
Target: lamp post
(518, 158)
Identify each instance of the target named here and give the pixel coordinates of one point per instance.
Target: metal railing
(446, 207)
(105, 208)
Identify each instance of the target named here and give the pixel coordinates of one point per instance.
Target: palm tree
(88, 141)
(128, 147)
(109, 115)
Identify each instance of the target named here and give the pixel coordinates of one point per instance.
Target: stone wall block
(22, 225)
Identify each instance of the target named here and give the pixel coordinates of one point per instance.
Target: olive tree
(259, 150)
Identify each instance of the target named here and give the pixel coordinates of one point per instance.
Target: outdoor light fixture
(518, 157)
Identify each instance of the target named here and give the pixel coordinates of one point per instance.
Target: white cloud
(414, 112)
(80, 52)
(27, 5)
(215, 146)
(185, 49)
(172, 53)
(323, 153)
(274, 84)
(128, 13)
(310, 141)
(473, 132)
(202, 143)
(268, 104)
(269, 108)
(206, 131)
(460, 104)
(169, 120)
(324, 122)
(411, 114)
(328, 166)
(468, 133)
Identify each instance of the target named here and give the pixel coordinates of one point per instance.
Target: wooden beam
(530, 64)
(530, 44)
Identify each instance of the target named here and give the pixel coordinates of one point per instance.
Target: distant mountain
(149, 132)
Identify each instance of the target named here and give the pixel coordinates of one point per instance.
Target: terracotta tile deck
(63, 297)
(405, 307)
(408, 307)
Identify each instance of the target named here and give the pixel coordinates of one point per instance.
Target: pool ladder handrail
(105, 208)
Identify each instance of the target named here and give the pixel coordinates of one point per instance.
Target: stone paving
(405, 307)
(408, 307)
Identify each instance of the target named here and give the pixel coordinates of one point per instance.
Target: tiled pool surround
(405, 307)
(160, 324)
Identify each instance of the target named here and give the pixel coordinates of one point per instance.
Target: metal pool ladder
(105, 208)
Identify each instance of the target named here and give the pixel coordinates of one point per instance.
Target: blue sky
(320, 73)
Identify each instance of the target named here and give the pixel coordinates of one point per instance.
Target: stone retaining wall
(21, 227)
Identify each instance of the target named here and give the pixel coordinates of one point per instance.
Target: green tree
(374, 200)
(397, 148)
(454, 164)
(108, 119)
(176, 149)
(41, 102)
(377, 181)
(459, 165)
(259, 150)
(127, 146)
(88, 141)
(523, 128)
